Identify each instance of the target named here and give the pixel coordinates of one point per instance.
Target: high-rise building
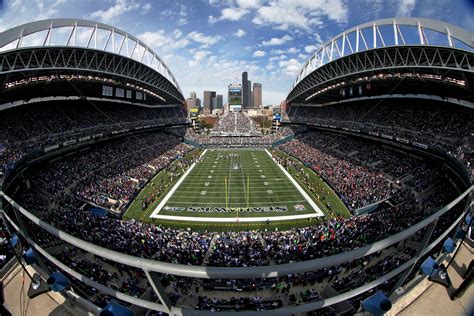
(190, 103)
(220, 101)
(246, 91)
(257, 95)
(214, 103)
(249, 93)
(208, 95)
(193, 101)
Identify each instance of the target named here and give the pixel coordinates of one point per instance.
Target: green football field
(236, 182)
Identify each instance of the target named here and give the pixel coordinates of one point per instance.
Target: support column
(155, 281)
(424, 243)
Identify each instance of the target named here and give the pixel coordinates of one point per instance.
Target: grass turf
(236, 178)
(189, 192)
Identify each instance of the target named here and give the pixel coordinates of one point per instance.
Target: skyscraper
(208, 95)
(192, 101)
(220, 101)
(246, 91)
(249, 93)
(257, 95)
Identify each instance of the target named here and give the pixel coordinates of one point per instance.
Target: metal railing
(152, 268)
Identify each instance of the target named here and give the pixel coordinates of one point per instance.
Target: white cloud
(203, 39)
(406, 7)
(292, 50)
(232, 14)
(13, 13)
(259, 53)
(146, 8)
(277, 51)
(235, 10)
(198, 57)
(117, 9)
(240, 33)
(211, 19)
(290, 66)
(248, 3)
(177, 33)
(300, 14)
(183, 10)
(277, 41)
(310, 48)
(274, 58)
(303, 57)
(162, 42)
(182, 21)
(200, 54)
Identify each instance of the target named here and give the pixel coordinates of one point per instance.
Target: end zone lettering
(265, 209)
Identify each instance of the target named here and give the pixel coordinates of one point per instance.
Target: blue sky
(208, 43)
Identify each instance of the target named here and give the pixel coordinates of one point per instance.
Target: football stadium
(113, 198)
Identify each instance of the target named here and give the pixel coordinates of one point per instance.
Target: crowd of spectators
(361, 171)
(235, 123)
(359, 184)
(240, 140)
(31, 127)
(253, 248)
(6, 252)
(111, 174)
(442, 125)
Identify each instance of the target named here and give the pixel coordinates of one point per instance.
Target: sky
(207, 44)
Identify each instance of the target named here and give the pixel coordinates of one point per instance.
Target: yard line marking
(230, 173)
(243, 176)
(175, 187)
(297, 185)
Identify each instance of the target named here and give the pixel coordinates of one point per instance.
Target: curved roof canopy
(84, 34)
(391, 32)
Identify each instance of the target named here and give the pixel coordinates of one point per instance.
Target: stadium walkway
(428, 298)
(18, 303)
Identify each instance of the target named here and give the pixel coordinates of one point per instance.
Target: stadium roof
(64, 35)
(387, 44)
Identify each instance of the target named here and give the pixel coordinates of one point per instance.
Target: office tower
(246, 91)
(214, 103)
(249, 93)
(257, 95)
(190, 103)
(220, 101)
(192, 95)
(208, 95)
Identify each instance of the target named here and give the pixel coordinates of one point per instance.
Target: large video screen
(277, 114)
(235, 96)
(193, 113)
(235, 108)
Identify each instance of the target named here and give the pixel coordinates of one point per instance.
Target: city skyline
(208, 44)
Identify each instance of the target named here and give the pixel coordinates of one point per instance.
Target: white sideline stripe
(298, 187)
(175, 187)
(235, 219)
